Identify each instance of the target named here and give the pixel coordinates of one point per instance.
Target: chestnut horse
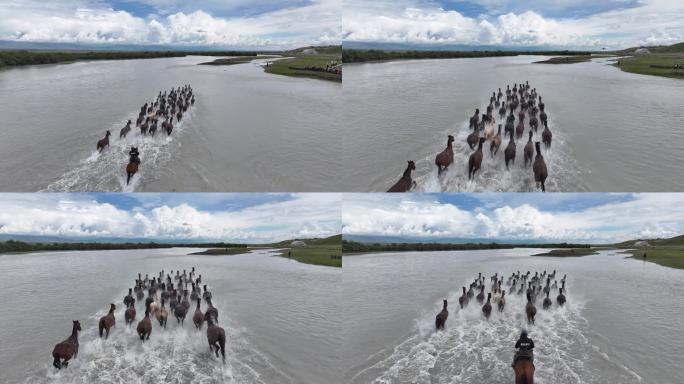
(64, 351)
(524, 372)
(405, 183)
(102, 143)
(216, 337)
(107, 321)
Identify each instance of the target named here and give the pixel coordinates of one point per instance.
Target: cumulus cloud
(647, 22)
(94, 22)
(306, 215)
(644, 216)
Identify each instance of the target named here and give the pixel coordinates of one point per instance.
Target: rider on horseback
(524, 347)
(135, 155)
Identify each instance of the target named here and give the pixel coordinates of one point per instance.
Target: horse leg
(217, 347)
(56, 363)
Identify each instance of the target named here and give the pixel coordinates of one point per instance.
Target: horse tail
(56, 363)
(101, 326)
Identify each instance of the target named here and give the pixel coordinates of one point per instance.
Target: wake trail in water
(563, 170)
(106, 171)
(472, 349)
(178, 354)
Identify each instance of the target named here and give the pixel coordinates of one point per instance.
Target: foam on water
(175, 355)
(563, 170)
(106, 171)
(474, 350)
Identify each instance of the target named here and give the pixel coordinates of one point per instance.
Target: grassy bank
(357, 247)
(566, 60)
(13, 246)
(309, 62)
(654, 64)
(667, 256)
(237, 60)
(571, 252)
(14, 58)
(326, 251)
(366, 55)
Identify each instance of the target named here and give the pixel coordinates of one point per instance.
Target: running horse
(524, 371)
(67, 349)
(133, 164)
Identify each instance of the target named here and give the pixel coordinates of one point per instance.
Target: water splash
(106, 171)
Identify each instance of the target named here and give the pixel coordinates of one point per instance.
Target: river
(621, 323)
(280, 317)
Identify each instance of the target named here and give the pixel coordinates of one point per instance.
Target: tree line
(356, 247)
(11, 58)
(363, 55)
(21, 246)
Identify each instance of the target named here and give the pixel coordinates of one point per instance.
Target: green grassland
(235, 60)
(666, 252)
(661, 61)
(313, 57)
(326, 251)
(223, 251)
(566, 60)
(572, 252)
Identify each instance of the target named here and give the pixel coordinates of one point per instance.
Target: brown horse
(102, 143)
(475, 160)
(198, 317)
(131, 170)
(528, 152)
(509, 152)
(547, 135)
(442, 317)
(539, 168)
(162, 314)
(446, 157)
(405, 183)
(524, 372)
(216, 337)
(124, 131)
(64, 351)
(180, 311)
(463, 300)
(496, 143)
(211, 311)
(129, 315)
(144, 327)
(487, 308)
(530, 309)
(107, 321)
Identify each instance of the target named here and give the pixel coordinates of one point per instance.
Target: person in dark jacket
(524, 348)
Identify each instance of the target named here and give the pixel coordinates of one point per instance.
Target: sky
(595, 218)
(241, 218)
(568, 24)
(237, 24)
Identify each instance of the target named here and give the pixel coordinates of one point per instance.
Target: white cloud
(75, 21)
(648, 215)
(305, 215)
(652, 22)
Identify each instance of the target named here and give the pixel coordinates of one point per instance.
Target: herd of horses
(166, 107)
(179, 291)
(520, 100)
(532, 286)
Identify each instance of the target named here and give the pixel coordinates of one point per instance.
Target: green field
(298, 60)
(666, 252)
(232, 60)
(643, 65)
(566, 60)
(326, 251)
(572, 252)
(223, 251)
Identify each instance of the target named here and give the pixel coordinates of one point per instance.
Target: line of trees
(356, 247)
(363, 55)
(10, 58)
(21, 246)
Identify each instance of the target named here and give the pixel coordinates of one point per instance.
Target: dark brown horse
(405, 183)
(129, 315)
(487, 308)
(509, 152)
(67, 349)
(528, 152)
(144, 327)
(539, 168)
(211, 311)
(530, 309)
(442, 316)
(198, 317)
(180, 311)
(524, 372)
(547, 135)
(124, 131)
(102, 143)
(475, 160)
(446, 157)
(107, 321)
(463, 300)
(216, 337)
